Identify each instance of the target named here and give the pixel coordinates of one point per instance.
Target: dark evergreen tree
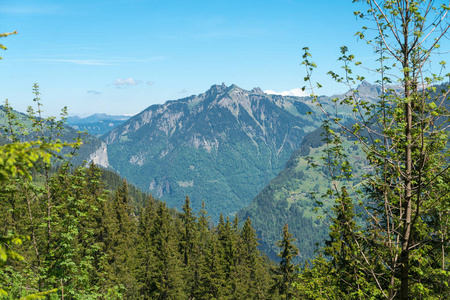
(253, 273)
(343, 250)
(120, 239)
(145, 249)
(215, 279)
(228, 239)
(167, 270)
(188, 236)
(286, 271)
(197, 271)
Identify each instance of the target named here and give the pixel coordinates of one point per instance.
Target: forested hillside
(289, 197)
(87, 242)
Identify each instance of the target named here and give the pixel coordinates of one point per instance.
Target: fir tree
(198, 271)
(343, 250)
(286, 271)
(167, 271)
(215, 280)
(120, 240)
(187, 240)
(145, 249)
(228, 239)
(253, 274)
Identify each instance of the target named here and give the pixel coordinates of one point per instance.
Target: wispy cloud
(294, 92)
(29, 9)
(183, 91)
(150, 82)
(123, 83)
(94, 62)
(138, 59)
(90, 62)
(94, 92)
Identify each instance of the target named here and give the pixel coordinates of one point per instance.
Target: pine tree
(286, 271)
(145, 249)
(253, 274)
(198, 270)
(214, 281)
(344, 252)
(188, 238)
(120, 239)
(167, 270)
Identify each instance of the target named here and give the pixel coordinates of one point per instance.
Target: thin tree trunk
(407, 204)
(33, 235)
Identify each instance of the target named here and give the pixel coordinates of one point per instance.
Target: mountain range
(221, 147)
(96, 124)
(238, 151)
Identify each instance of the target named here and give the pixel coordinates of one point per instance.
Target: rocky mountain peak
(215, 88)
(257, 90)
(207, 145)
(366, 88)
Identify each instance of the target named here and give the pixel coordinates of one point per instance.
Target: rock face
(100, 156)
(222, 146)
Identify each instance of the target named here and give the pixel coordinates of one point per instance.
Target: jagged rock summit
(372, 92)
(221, 146)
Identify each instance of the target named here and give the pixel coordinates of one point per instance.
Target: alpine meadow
(230, 193)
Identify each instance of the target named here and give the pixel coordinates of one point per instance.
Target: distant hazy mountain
(96, 124)
(222, 146)
(93, 149)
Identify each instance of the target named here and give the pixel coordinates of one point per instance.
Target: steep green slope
(221, 147)
(287, 198)
(113, 181)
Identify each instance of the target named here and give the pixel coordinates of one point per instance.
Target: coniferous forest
(85, 233)
(77, 231)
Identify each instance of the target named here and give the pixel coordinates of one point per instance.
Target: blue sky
(121, 56)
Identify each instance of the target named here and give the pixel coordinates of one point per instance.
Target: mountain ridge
(226, 136)
(96, 124)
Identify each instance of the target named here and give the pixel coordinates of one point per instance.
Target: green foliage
(401, 246)
(17, 159)
(5, 35)
(285, 273)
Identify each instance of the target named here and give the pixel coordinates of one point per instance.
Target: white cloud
(94, 92)
(294, 92)
(183, 91)
(123, 83)
(150, 82)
